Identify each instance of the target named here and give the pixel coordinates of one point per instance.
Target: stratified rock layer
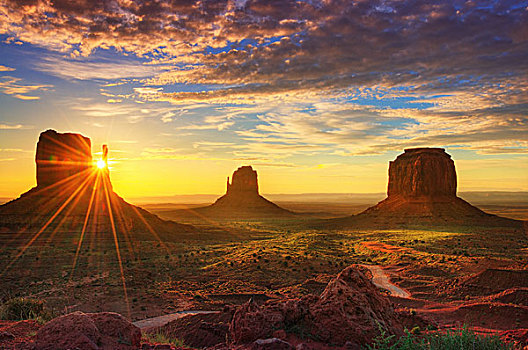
(422, 172)
(422, 191)
(62, 156)
(244, 182)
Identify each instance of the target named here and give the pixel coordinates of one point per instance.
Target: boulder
(99, 331)
(349, 309)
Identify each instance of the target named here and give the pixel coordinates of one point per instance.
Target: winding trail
(160, 321)
(380, 280)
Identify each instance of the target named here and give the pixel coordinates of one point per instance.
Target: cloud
(6, 69)
(84, 69)
(12, 86)
(147, 90)
(313, 77)
(284, 45)
(12, 127)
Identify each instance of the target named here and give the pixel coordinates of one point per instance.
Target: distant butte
(422, 191)
(70, 186)
(242, 200)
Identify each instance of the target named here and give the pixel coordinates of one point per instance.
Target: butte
(74, 195)
(422, 190)
(241, 201)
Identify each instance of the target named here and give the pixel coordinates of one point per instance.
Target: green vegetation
(161, 337)
(462, 339)
(25, 309)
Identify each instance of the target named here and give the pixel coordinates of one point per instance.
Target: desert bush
(461, 339)
(17, 309)
(161, 337)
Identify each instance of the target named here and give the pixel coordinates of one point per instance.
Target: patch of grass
(462, 339)
(161, 337)
(18, 309)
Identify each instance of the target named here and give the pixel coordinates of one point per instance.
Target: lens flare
(101, 164)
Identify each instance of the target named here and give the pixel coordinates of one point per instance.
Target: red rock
(76, 330)
(100, 331)
(271, 344)
(349, 309)
(422, 172)
(244, 180)
(422, 191)
(6, 336)
(61, 156)
(116, 331)
(242, 199)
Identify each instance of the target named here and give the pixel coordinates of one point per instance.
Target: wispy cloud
(13, 86)
(85, 69)
(12, 127)
(6, 69)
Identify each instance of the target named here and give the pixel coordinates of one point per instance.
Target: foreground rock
(100, 331)
(422, 191)
(350, 309)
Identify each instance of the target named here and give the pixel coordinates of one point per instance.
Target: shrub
(161, 337)
(24, 309)
(461, 339)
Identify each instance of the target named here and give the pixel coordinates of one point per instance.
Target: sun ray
(83, 230)
(39, 232)
(114, 232)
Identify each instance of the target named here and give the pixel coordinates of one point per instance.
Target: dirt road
(159, 321)
(380, 280)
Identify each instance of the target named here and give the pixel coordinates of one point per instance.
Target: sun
(101, 164)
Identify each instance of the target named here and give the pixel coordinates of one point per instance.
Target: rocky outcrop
(244, 182)
(241, 201)
(422, 172)
(350, 309)
(422, 191)
(62, 156)
(81, 331)
(70, 185)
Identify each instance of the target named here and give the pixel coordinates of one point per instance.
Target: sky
(317, 95)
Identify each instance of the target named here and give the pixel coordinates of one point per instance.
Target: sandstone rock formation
(244, 182)
(350, 309)
(422, 190)
(422, 172)
(242, 200)
(104, 331)
(61, 157)
(70, 185)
